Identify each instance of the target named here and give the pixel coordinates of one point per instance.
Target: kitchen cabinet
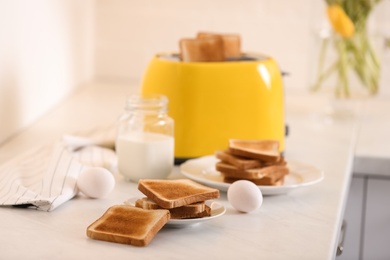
(376, 235)
(353, 218)
(367, 215)
(367, 211)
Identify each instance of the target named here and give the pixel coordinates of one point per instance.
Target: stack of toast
(137, 225)
(209, 47)
(183, 198)
(258, 161)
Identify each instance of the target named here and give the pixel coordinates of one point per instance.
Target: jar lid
(150, 102)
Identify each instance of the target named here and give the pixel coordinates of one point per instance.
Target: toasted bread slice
(265, 150)
(198, 209)
(274, 172)
(170, 194)
(262, 182)
(231, 43)
(128, 225)
(231, 46)
(201, 50)
(238, 161)
(246, 163)
(178, 214)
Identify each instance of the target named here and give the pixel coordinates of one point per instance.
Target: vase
(349, 49)
(347, 62)
(348, 66)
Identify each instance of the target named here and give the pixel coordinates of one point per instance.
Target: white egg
(244, 196)
(96, 182)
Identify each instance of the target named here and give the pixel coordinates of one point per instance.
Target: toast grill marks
(170, 194)
(128, 225)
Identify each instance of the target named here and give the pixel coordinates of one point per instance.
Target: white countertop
(303, 224)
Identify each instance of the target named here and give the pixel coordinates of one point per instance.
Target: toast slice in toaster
(170, 194)
(265, 150)
(128, 225)
(202, 49)
(195, 210)
(231, 44)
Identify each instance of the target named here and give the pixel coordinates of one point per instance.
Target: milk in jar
(145, 142)
(145, 156)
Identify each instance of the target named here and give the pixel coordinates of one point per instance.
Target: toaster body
(212, 102)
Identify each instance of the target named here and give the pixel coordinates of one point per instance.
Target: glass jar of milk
(145, 142)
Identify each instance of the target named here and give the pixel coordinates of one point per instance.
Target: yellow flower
(340, 21)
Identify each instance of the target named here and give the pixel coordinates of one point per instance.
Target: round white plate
(203, 171)
(217, 210)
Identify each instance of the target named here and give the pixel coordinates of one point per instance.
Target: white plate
(217, 210)
(203, 170)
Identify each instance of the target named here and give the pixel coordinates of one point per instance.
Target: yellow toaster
(212, 102)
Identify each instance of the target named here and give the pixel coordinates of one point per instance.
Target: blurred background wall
(129, 33)
(49, 48)
(46, 52)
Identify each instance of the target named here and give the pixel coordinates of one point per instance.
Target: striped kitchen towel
(45, 177)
